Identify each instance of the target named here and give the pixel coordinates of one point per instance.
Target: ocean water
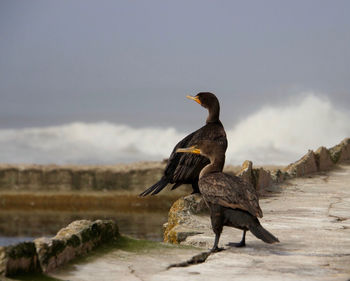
(272, 135)
(20, 226)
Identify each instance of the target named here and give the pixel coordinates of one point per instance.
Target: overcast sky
(133, 62)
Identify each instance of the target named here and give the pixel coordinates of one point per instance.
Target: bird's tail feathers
(176, 185)
(263, 234)
(156, 188)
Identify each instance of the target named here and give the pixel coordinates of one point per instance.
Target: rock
(176, 229)
(46, 254)
(18, 259)
(77, 239)
(263, 180)
(305, 166)
(340, 152)
(246, 172)
(259, 178)
(323, 157)
(279, 176)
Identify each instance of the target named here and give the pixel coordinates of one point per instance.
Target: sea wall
(46, 254)
(181, 223)
(132, 178)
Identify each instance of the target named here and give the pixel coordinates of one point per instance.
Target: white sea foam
(91, 143)
(273, 135)
(282, 134)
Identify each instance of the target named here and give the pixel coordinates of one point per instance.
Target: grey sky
(133, 62)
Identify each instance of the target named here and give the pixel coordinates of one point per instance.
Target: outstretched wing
(230, 191)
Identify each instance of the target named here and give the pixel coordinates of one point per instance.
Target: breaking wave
(282, 134)
(273, 135)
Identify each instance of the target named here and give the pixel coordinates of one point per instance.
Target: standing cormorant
(232, 201)
(185, 168)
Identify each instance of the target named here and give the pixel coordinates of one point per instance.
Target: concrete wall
(132, 178)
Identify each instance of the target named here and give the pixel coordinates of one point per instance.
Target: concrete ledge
(31, 178)
(46, 254)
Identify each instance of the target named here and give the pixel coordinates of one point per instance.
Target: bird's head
(205, 99)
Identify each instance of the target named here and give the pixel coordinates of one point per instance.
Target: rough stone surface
(46, 254)
(305, 166)
(246, 172)
(77, 239)
(19, 258)
(323, 157)
(264, 179)
(310, 216)
(341, 152)
(175, 230)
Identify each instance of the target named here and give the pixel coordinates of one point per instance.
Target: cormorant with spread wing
(232, 201)
(185, 168)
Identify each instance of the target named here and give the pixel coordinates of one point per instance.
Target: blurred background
(103, 82)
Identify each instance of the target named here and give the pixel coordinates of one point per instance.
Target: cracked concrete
(310, 216)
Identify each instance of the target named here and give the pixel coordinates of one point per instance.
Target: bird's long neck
(216, 165)
(214, 113)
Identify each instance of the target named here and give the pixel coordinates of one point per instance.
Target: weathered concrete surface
(126, 265)
(310, 216)
(122, 177)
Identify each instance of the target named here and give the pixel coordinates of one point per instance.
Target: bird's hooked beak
(196, 99)
(192, 149)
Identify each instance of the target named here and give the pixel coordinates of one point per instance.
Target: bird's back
(230, 191)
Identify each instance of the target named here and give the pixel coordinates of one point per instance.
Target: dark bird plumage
(232, 201)
(185, 168)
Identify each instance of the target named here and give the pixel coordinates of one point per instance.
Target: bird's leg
(216, 217)
(216, 242)
(240, 244)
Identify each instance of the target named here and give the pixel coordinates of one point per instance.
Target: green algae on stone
(24, 249)
(73, 241)
(136, 245)
(33, 277)
(20, 258)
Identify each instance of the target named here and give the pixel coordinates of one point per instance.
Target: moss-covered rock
(340, 152)
(75, 240)
(17, 259)
(176, 229)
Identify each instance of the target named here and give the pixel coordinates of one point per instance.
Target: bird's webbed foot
(240, 244)
(216, 249)
(237, 245)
